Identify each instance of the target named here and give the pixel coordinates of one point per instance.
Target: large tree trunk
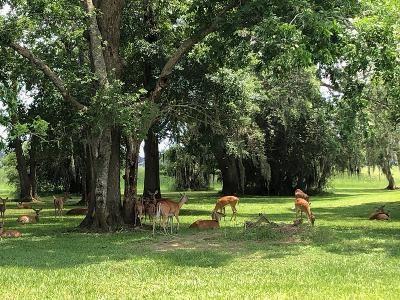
(152, 164)
(90, 184)
(231, 178)
(24, 180)
(131, 176)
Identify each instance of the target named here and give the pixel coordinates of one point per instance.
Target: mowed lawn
(344, 256)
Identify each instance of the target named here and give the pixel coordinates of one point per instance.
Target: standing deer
(8, 233)
(150, 209)
(3, 207)
(303, 206)
(300, 194)
(139, 210)
(58, 205)
(224, 201)
(207, 224)
(167, 208)
(25, 219)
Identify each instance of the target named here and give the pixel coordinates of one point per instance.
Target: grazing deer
(168, 209)
(8, 233)
(139, 210)
(207, 224)
(26, 205)
(3, 207)
(302, 205)
(77, 211)
(58, 205)
(25, 219)
(227, 200)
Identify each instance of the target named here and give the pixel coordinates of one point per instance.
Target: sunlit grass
(344, 256)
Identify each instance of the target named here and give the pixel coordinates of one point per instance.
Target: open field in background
(344, 256)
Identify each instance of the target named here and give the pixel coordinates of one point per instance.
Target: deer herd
(164, 210)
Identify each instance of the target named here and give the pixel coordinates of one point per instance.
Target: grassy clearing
(344, 256)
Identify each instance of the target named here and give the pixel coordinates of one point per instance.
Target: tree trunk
(89, 186)
(24, 180)
(228, 166)
(131, 176)
(152, 165)
(33, 166)
(114, 205)
(389, 176)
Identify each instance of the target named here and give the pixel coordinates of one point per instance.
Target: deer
(301, 206)
(167, 208)
(8, 233)
(58, 205)
(224, 201)
(261, 219)
(3, 207)
(25, 219)
(77, 211)
(150, 209)
(298, 193)
(25, 205)
(139, 210)
(380, 214)
(208, 224)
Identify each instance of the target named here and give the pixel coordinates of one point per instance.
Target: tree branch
(50, 74)
(186, 46)
(96, 48)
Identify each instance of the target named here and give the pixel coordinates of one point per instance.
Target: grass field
(344, 256)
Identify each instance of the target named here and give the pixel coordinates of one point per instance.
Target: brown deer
(58, 205)
(302, 205)
(380, 214)
(25, 205)
(8, 233)
(227, 200)
(150, 209)
(3, 207)
(300, 194)
(77, 211)
(167, 208)
(139, 210)
(25, 219)
(208, 224)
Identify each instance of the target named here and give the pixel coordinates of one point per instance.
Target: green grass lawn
(344, 256)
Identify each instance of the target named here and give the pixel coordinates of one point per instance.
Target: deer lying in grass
(25, 219)
(139, 210)
(8, 233)
(25, 205)
(77, 211)
(58, 205)
(208, 224)
(224, 201)
(167, 208)
(261, 219)
(3, 207)
(301, 206)
(380, 214)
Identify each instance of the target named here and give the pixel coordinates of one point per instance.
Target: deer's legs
(177, 226)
